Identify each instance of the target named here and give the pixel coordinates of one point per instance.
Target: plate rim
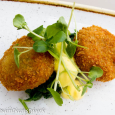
(82, 7)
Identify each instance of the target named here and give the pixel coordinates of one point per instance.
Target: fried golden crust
(35, 68)
(100, 51)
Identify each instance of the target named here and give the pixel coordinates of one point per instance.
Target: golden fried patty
(35, 68)
(100, 51)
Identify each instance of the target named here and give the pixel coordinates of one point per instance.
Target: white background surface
(100, 100)
(108, 4)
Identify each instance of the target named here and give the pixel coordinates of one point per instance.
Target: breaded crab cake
(100, 51)
(35, 68)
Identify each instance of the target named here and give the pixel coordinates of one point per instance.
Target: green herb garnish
(16, 57)
(24, 105)
(56, 96)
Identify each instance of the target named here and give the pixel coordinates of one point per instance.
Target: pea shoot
(46, 39)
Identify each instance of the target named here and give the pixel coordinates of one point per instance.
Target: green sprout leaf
(52, 30)
(53, 51)
(56, 96)
(95, 72)
(71, 48)
(16, 57)
(40, 46)
(24, 105)
(62, 21)
(37, 31)
(93, 79)
(84, 90)
(59, 37)
(19, 22)
(89, 84)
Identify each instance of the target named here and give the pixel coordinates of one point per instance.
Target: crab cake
(100, 51)
(35, 68)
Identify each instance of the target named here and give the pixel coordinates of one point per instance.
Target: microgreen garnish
(38, 31)
(16, 57)
(84, 90)
(71, 49)
(95, 71)
(56, 96)
(40, 46)
(17, 53)
(46, 39)
(19, 23)
(59, 37)
(24, 105)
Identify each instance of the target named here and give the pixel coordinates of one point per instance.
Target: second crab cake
(100, 51)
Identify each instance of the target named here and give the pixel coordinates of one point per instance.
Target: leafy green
(95, 72)
(89, 84)
(40, 46)
(37, 95)
(62, 23)
(59, 37)
(37, 31)
(84, 90)
(93, 78)
(53, 51)
(72, 35)
(71, 48)
(56, 96)
(16, 57)
(19, 21)
(24, 105)
(52, 30)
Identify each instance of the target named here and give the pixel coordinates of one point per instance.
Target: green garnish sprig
(46, 39)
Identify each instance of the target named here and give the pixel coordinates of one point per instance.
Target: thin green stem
(79, 69)
(79, 45)
(81, 82)
(53, 83)
(70, 21)
(25, 51)
(82, 85)
(84, 72)
(24, 105)
(53, 54)
(70, 97)
(57, 75)
(75, 24)
(27, 28)
(22, 47)
(76, 86)
(71, 15)
(78, 76)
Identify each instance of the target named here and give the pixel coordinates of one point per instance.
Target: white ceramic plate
(100, 100)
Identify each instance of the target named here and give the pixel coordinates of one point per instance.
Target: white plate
(100, 100)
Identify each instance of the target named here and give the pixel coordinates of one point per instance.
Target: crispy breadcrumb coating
(100, 51)
(35, 68)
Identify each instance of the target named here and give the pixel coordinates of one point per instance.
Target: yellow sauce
(76, 95)
(64, 77)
